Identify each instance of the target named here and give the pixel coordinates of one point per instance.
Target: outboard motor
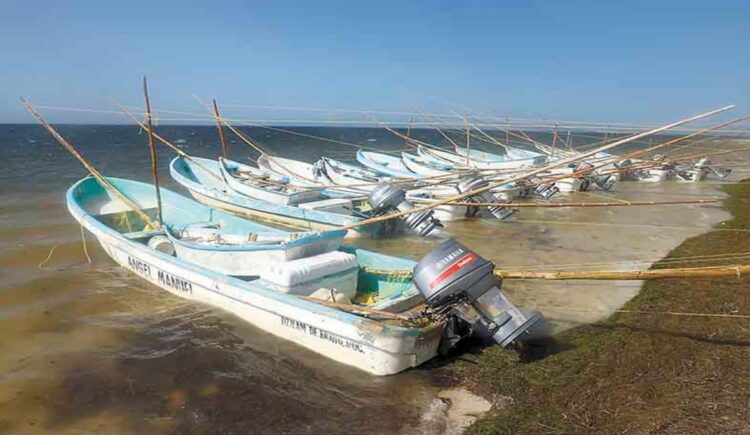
(537, 188)
(705, 165)
(583, 169)
(605, 182)
(455, 280)
(319, 169)
(546, 190)
(385, 197)
(474, 182)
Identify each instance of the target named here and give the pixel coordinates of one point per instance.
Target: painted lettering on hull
(321, 334)
(144, 269)
(174, 282)
(139, 266)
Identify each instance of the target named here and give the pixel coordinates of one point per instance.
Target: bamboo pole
(585, 204)
(167, 143)
(152, 151)
(219, 129)
(629, 275)
(357, 309)
(539, 170)
(92, 170)
(468, 141)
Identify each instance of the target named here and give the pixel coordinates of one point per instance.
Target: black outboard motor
(454, 278)
(535, 187)
(546, 190)
(605, 182)
(705, 165)
(386, 197)
(474, 182)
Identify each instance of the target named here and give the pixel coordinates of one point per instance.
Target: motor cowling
(535, 187)
(387, 197)
(454, 278)
(605, 182)
(546, 190)
(474, 182)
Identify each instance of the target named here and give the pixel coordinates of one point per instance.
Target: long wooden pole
(468, 140)
(152, 149)
(628, 275)
(557, 164)
(586, 204)
(220, 130)
(92, 170)
(168, 143)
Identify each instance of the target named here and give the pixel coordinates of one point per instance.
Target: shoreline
(632, 371)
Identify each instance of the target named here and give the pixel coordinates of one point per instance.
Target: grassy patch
(636, 373)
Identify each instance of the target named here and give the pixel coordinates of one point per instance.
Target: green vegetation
(635, 373)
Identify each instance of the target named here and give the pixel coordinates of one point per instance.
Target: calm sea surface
(93, 348)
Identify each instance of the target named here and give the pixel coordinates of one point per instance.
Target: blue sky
(633, 61)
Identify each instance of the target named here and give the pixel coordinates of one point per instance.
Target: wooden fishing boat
(201, 177)
(273, 301)
(250, 181)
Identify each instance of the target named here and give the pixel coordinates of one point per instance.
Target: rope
(83, 243)
(49, 256)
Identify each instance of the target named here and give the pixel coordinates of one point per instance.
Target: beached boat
(472, 162)
(300, 173)
(273, 301)
(252, 182)
(425, 168)
(385, 164)
(522, 157)
(366, 181)
(201, 177)
(344, 174)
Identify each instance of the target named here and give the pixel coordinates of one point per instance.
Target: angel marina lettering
(322, 334)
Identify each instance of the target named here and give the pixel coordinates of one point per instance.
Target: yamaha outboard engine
(455, 280)
(386, 197)
(474, 182)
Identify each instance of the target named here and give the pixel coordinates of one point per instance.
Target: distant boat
(202, 178)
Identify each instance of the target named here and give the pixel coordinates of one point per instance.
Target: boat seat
(303, 276)
(135, 235)
(332, 205)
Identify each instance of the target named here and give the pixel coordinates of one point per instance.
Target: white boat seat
(135, 235)
(303, 276)
(332, 205)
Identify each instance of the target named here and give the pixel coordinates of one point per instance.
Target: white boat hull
(364, 344)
